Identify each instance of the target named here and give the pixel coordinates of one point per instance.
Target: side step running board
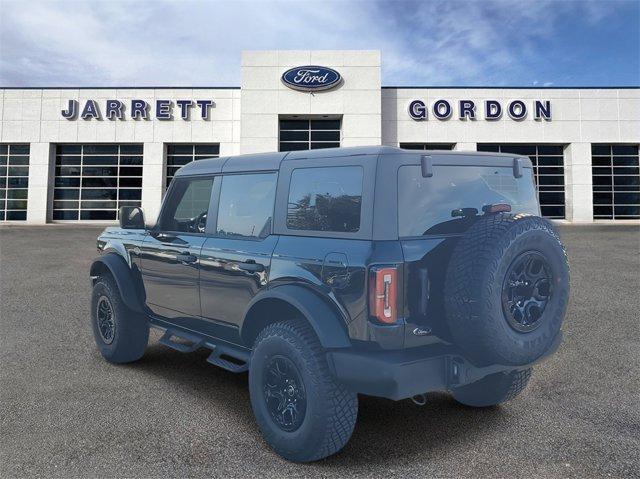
(196, 342)
(230, 359)
(225, 356)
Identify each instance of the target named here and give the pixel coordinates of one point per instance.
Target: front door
(170, 254)
(235, 262)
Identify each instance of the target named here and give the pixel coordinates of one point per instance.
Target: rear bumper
(402, 374)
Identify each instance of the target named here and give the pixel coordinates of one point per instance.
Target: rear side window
(246, 205)
(325, 199)
(434, 205)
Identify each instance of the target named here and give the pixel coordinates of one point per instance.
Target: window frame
(5, 166)
(309, 130)
(613, 172)
(422, 146)
(368, 164)
(96, 156)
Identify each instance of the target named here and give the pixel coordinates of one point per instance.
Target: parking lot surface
(67, 413)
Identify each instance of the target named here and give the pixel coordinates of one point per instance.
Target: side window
(325, 199)
(246, 205)
(187, 206)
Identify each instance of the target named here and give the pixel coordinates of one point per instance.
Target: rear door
(170, 254)
(235, 261)
(324, 219)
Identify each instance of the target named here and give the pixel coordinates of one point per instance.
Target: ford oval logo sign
(311, 78)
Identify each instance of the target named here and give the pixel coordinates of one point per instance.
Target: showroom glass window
(245, 208)
(93, 181)
(427, 146)
(548, 172)
(325, 199)
(309, 134)
(14, 182)
(616, 182)
(179, 155)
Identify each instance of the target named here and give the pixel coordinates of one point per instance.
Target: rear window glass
(427, 205)
(325, 199)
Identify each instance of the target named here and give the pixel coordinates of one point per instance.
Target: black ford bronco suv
(331, 273)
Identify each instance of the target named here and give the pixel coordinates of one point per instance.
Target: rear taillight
(383, 294)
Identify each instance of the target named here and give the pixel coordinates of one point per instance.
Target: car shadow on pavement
(386, 431)
(392, 431)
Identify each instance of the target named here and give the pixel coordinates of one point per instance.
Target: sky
(428, 43)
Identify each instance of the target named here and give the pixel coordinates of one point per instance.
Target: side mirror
(131, 217)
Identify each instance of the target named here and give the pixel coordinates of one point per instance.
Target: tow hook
(419, 399)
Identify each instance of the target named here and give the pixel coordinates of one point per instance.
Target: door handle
(251, 266)
(163, 236)
(186, 258)
(169, 238)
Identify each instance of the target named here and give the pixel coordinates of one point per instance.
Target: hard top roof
(272, 161)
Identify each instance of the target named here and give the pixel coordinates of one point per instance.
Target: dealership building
(78, 154)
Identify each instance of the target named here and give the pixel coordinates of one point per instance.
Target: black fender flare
(328, 324)
(123, 277)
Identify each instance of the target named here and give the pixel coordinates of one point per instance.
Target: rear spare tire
(507, 289)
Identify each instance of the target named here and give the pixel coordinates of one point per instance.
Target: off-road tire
(474, 287)
(331, 409)
(131, 329)
(494, 389)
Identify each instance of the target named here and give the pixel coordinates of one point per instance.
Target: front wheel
(303, 412)
(493, 389)
(120, 333)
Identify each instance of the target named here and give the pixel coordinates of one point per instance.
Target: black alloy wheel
(284, 393)
(526, 291)
(106, 320)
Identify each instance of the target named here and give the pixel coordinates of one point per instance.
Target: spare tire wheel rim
(106, 320)
(526, 291)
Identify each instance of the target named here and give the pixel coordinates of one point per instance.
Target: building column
(41, 178)
(578, 183)
(154, 162)
(465, 147)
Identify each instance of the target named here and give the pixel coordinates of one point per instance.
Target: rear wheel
(493, 389)
(120, 333)
(303, 413)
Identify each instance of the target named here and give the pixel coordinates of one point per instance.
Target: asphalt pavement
(67, 413)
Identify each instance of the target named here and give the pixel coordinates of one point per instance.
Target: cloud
(197, 43)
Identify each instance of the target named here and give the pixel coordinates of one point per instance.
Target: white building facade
(78, 154)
